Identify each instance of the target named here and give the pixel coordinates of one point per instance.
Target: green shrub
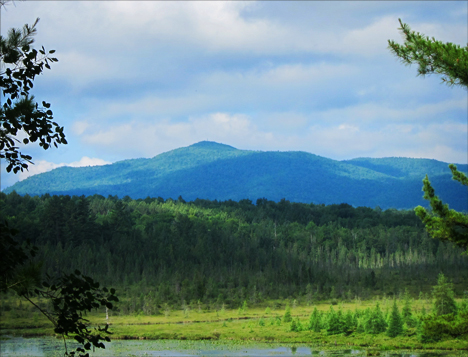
(435, 328)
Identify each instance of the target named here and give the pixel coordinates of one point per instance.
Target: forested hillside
(228, 251)
(212, 171)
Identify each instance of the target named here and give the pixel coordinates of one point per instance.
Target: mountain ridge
(211, 170)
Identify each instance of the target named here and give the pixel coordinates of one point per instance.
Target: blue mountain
(210, 170)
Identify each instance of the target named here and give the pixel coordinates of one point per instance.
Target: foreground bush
(435, 328)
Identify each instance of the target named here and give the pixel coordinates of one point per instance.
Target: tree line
(228, 252)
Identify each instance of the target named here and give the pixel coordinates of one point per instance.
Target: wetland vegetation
(355, 324)
(238, 272)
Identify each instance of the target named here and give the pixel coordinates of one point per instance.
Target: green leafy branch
(70, 296)
(19, 111)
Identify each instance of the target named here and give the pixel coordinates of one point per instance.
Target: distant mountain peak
(211, 170)
(211, 145)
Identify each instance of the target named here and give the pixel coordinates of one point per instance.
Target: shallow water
(52, 347)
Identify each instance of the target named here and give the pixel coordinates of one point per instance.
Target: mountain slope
(210, 170)
(402, 166)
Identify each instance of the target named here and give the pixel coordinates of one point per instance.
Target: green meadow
(264, 323)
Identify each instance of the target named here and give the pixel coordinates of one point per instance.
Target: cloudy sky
(135, 79)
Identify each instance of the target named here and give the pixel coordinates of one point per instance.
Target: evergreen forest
(173, 252)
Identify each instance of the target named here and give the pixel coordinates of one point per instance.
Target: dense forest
(174, 251)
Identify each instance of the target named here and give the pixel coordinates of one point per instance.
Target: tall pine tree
(450, 61)
(444, 301)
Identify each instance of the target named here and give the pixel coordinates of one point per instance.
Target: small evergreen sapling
(335, 322)
(406, 312)
(444, 301)
(314, 321)
(296, 325)
(395, 323)
(287, 314)
(349, 323)
(375, 322)
(244, 306)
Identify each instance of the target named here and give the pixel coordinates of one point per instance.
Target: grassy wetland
(272, 323)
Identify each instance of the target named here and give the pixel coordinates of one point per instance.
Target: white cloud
(79, 127)
(348, 128)
(215, 25)
(82, 68)
(149, 139)
(338, 139)
(455, 33)
(364, 41)
(429, 141)
(384, 112)
(41, 166)
(221, 90)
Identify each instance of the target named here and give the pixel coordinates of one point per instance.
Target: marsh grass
(254, 324)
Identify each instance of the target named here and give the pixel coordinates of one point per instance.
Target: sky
(136, 79)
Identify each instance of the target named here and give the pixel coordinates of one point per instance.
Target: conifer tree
(450, 61)
(314, 321)
(406, 312)
(334, 323)
(287, 314)
(244, 306)
(348, 322)
(296, 325)
(444, 302)
(432, 56)
(395, 323)
(293, 326)
(300, 327)
(375, 322)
